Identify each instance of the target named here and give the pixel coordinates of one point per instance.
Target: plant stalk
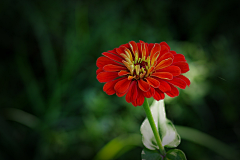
(153, 126)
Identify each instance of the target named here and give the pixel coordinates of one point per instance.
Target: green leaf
(175, 154)
(151, 155)
(168, 134)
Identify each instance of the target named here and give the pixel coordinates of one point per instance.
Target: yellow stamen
(129, 66)
(129, 54)
(148, 61)
(136, 57)
(142, 74)
(128, 60)
(137, 68)
(132, 69)
(124, 55)
(131, 48)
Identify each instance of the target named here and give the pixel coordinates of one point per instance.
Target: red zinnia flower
(142, 70)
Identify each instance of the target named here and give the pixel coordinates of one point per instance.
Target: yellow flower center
(139, 68)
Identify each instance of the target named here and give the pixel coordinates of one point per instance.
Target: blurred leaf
(205, 140)
(166, 129)
(150, 155)
(118, 146)
(175, 154)
(22, 117)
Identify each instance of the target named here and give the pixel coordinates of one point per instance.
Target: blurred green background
(53, 107)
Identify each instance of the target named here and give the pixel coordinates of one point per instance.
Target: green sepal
(151, 155)
(168, 134)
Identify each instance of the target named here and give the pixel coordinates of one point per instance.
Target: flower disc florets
(142, 70)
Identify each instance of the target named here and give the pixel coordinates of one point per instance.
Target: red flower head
(142, 70)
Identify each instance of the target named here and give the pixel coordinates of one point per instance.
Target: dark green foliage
(52, 106)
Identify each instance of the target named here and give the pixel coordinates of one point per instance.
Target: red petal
(132, 92)
(113, 68)
(179, 58)
(122, 73)
(113, 57)
(164, 63)
(120, 51)
(164, 49)
(174, 91)
(164, 86)
(109, 86)
(140, 98)
(158, 95)
(121, 94)
(173, 52)
(165, 56)
(187, 81)
(99, 70)
(174, 70)
(134, 103)
(178, 82)
(113, 51)
(156, 48)
(149, 93)
(144, 86)
(139, 50)
(147, 50)
(183, 66)
(125, 45)
(165, 44)
(163, 75)
(107, 76)
(150, 46)
(122, 86)
(153, 82)
(102, 61)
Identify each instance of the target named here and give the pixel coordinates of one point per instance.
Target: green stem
(153, 126)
